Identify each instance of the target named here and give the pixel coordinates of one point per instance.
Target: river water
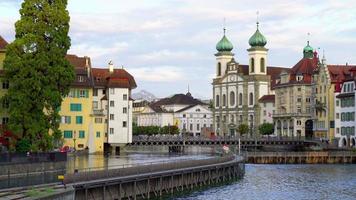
(286, 182)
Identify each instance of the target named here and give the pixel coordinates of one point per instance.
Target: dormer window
(299, 77)
(80, 79)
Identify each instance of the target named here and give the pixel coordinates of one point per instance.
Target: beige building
(293, 116)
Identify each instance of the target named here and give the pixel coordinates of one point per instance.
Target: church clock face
(232, 78)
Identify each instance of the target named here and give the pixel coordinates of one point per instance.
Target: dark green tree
(242, 129)
(266, 129)
(38, 73)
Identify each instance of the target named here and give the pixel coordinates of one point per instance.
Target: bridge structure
(179, 141)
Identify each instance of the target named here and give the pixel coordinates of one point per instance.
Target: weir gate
(156, 180)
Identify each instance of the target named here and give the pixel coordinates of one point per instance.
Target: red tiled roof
(267, 98)
(119, 78)
(3, 43)
(340, 73)
(78, 62)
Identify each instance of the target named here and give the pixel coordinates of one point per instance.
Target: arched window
(252, 65)
(251, 99)
(217, 101)
(232, 98)
(219, 69)
(240, 99)
(262, 64)
(224, 100)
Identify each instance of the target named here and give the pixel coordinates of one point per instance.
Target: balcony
(98, 112)
(292, 115)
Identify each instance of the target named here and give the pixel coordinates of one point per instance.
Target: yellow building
(325, 79)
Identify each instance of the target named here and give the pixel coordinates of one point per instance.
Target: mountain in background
(144, 95)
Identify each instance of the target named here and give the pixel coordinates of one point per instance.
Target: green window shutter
(81, 134)
(79, 107)
(68, 134)
(79, 119)
(86, 93)
(72, 107)
(77, 93)
(98, 134)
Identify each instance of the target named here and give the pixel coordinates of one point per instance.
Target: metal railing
(301, 154)
(23, 158)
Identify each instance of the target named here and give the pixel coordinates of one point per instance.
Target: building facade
(238, 88)
(267, 106)
(97, 113)
(182, 110)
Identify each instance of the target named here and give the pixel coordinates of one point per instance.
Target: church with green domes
(243, 94)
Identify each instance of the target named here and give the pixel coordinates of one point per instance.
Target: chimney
(111, 67)
(87, 65)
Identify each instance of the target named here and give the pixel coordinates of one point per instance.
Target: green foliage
(243, 129)
(38, 73)
(23, 145)
(266, 129)
(152, 130)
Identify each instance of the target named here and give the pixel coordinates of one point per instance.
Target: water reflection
(135, 155)
(287, 182)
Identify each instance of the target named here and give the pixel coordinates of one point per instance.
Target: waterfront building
(267, 108)
(97, 113)
(138, 107)
(326, 81)
(345, 111)
(238, 88)
(182, 110)
(293, 116)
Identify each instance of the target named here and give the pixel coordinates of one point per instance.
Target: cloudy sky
(168, 44)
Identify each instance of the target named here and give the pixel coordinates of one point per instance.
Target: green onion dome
(257, 39)
(224, 44)
(308, 51)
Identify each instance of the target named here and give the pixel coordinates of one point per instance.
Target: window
(81, 79)
(104, 91)
(81, 134)
(112, 90)
(95, 92)
(71, 93)
(68, 134)
(112, 103)
(198, 127)
(5, 103)
(337, 102)
(124, 110)
(262, 64)
(183, 115)
(337, 115)
(252, 65)
(75, 107)
(95, 105)
(219, 69)
(98, 120)
(217, 101)
(337, 130)
(66, 119)
(299, 99)
(299, 89)
(5, 120)
(224, 100)
(124, 97)
(240, 99)
(251, 98)
(112, 117)
(299, 109)
(232, 98)
(191, 127)
(79, 119)
(124, 124)
(5, 85)
(82, 93)
(111, 131)
(98, 134)
(307, 100)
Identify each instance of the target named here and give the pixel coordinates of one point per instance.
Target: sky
(168, 44)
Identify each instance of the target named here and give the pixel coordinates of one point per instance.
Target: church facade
(238, 88)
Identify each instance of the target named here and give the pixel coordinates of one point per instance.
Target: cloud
(158, 74)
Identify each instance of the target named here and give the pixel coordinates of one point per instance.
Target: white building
(267, 108)
(237, 88)
(345, 114)
(182, 110)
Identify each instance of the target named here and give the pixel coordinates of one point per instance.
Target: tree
(242, 129)
(38, 73)
(266, 129)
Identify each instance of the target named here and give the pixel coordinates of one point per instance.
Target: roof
(177, 99)
(267, 98)
(340, 73)
(274, 72)
(119, 78)
(3, 43)
(78, 62)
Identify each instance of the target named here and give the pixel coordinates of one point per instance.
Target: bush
(23, 145)
(266, 129)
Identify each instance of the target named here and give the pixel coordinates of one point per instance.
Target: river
(286, 182)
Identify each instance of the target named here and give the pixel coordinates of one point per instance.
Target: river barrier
(156, 180)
